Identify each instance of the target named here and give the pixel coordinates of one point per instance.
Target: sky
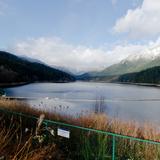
(80, 35)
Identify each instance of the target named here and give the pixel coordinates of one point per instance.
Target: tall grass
(82, 145)
(92, 120)
(23, 139)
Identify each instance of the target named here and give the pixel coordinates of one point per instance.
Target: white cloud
(56, 52)
(142, 22)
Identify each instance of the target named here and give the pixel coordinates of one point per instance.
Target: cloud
(141, 22)
(56, 52)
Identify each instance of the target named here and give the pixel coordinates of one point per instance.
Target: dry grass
(24, 149)
(18, 144)
(93, 120)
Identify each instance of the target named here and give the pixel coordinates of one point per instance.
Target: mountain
(14, 69)
(31, 59)
(151, 75)
(133, 63)
(64, 69)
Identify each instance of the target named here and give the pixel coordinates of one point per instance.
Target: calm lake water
(127, 102)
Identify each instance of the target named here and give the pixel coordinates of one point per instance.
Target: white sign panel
(63, 133)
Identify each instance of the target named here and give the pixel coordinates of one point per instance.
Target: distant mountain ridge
(134, 63)
(31, 59)
(16, 69)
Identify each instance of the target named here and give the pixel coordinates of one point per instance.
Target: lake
(127, 102)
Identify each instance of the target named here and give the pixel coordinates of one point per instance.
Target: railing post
(113, 147)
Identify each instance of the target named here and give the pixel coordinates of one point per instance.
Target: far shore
(140, 84)
(16, 84)
(126, 83)
(7, 85)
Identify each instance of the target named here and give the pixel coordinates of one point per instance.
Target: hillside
(14, 69)
(133, 63)
(151, 75)
(148, 58)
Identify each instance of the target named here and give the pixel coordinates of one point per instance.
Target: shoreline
(140, 84)
(126, 83)
(8, 85)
